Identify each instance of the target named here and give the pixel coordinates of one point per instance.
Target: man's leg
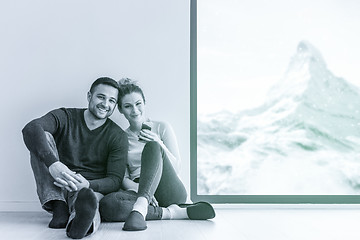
(85, 217)
(51, 197)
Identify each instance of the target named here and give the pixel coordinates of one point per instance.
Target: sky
(244, 47)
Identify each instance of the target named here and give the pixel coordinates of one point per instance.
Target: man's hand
(72, 181)
(67, 179)
(56, 171)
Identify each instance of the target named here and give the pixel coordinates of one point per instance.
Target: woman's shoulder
(160, 126)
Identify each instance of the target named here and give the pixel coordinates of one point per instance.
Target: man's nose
(106, 103)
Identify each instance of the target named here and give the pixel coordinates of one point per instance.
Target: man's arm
(35, 137)
(116, 165)
(37, 141)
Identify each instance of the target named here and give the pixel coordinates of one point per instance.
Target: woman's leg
(159, 178)
(152, 169)
(170, 189)
(116, 207)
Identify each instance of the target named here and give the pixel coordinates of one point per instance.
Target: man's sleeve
(35, 137)
(116, 165)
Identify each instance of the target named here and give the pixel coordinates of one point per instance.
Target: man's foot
(60, 214)
(135, 222)
(199, 210)
(85, 209)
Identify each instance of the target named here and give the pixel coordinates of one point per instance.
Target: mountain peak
(307, 52)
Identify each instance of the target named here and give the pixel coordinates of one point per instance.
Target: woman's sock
(195, 211)
(177, 212)
(141, 206)
(60, 214)
(136, 219)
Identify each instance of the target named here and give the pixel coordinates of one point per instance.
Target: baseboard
(20, 206)
(286, 206)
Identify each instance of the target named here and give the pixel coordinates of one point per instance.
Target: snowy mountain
(307, 132)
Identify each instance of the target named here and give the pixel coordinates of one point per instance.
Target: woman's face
(133, 108)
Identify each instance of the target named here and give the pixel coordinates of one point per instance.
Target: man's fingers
(59, 185)
(73, 186)
(63, 186)
(61, 181)
(68, 184)
(78, 177)
(69, 177)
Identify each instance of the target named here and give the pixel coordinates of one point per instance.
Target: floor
(230, 223)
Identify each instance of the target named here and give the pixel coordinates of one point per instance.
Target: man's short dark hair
(104, 80)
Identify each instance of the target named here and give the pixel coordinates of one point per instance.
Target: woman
(151, 188)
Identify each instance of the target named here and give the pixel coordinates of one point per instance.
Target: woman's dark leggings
(157, 178)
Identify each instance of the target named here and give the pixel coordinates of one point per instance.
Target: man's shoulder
(68, 111)
(115, 127)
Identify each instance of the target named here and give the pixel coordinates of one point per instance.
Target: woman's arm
(128, 184)
(170, 145)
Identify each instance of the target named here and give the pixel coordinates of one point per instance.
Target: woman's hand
(149, 136)
(154, 202)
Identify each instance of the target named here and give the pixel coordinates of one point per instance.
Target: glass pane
(278, 99)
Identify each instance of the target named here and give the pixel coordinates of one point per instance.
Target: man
(78, 156)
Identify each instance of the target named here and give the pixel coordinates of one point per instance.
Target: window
(275, 101)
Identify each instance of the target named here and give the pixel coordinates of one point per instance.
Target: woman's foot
(135, 222)
(199, 210)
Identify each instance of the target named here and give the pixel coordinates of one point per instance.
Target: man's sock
(85, 209)
(60, 214)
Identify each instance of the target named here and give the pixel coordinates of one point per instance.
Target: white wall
(51, 51)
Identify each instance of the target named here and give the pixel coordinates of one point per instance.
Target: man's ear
(89, 96)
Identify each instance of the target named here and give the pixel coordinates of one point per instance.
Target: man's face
(102, 101)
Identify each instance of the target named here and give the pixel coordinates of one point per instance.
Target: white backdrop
(51, 51)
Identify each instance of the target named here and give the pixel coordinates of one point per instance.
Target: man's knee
(51, 141)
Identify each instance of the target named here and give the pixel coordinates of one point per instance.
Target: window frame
(248, 199)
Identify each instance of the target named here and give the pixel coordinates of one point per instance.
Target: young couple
(87, 168)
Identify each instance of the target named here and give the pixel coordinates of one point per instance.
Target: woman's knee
(151, 152)
(152, 146)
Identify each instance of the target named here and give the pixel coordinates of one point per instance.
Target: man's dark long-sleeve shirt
(99, 155)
